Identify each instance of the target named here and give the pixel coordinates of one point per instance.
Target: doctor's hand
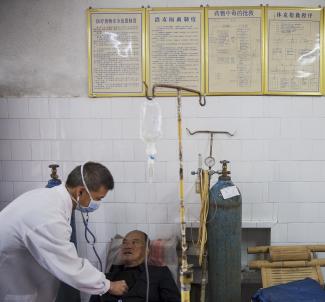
(118, 288)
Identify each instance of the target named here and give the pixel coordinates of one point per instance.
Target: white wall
(277, 155)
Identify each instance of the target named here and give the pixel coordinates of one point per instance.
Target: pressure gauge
(210, 161)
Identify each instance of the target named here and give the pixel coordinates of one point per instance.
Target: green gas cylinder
(224, 240)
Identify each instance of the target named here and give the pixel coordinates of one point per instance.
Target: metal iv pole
(186, 274)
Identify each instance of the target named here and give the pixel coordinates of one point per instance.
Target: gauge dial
(210, 161)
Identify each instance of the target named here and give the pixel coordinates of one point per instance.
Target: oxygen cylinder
(224, 240)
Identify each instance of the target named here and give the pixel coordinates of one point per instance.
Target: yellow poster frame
(143, 55)
(260, 92)
(202, 67)
(321, 43)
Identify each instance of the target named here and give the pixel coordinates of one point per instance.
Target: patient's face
(133, 249)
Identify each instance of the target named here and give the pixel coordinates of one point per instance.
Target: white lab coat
(35, 249)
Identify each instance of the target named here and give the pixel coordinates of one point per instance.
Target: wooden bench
(282, 264)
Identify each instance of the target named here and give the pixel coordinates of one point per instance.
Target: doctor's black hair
(95, 176)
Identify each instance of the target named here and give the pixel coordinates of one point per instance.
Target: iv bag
(150, 131)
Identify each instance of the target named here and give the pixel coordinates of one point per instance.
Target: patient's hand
(118, 288)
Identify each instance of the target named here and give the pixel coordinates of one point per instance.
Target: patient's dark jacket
(162, 287)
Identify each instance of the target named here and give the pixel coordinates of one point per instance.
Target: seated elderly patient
(162, 287)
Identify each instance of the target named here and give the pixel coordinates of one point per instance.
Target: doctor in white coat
(35, 247)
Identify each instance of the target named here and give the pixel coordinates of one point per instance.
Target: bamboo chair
(284, 264)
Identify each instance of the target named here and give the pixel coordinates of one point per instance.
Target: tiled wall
(277, 158)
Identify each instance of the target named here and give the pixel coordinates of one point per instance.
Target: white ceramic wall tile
(98, 215)
(30, 129)
(163, 231)
(167, 192)
(6, 191)
(124, 192)
(167, 150)
(253, 150)
(125, 108)
(82, 150)
(302, 107)
(116, 169)
(5, 150)
(170, 130)
(246, 211)
(303, 212)
(266, 128)
(234, 149)
(290, 127)
(9, 129)
(172, 170)
(280, 150)
(41, 150)
(157, 213)
(173, 213)
(123, 150)
(84, 108)
(135, 171)
(131, 128)
(279, 192)
(105, 231)
(18, 107)
(306, 232)
(49, 128)
(60, 107)
(277, 106)
(145, 192)
(102, 150)
(318, 150)
(279, 233)
(192, 212)
(115, 212)
(159, 172)
(143, 228)
(123, 229)
(253, 192)
(38, 108)
(11, 171)
(136, 213)
(190, 107)
(79, 129)
(139, 148)
(168, 107)
(32, 170)
(262, 211)
(100, 108)
(111, 128)
(61, 150)
(312, 171)
(277, 157)
(253, 106)
(25, 186)
(318, 107)
(4, 110)
(21, 150)
(313, 128)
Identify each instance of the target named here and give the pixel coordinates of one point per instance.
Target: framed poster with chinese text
(294, 52)
(175, 48)
(116, 58)
(234, 50)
